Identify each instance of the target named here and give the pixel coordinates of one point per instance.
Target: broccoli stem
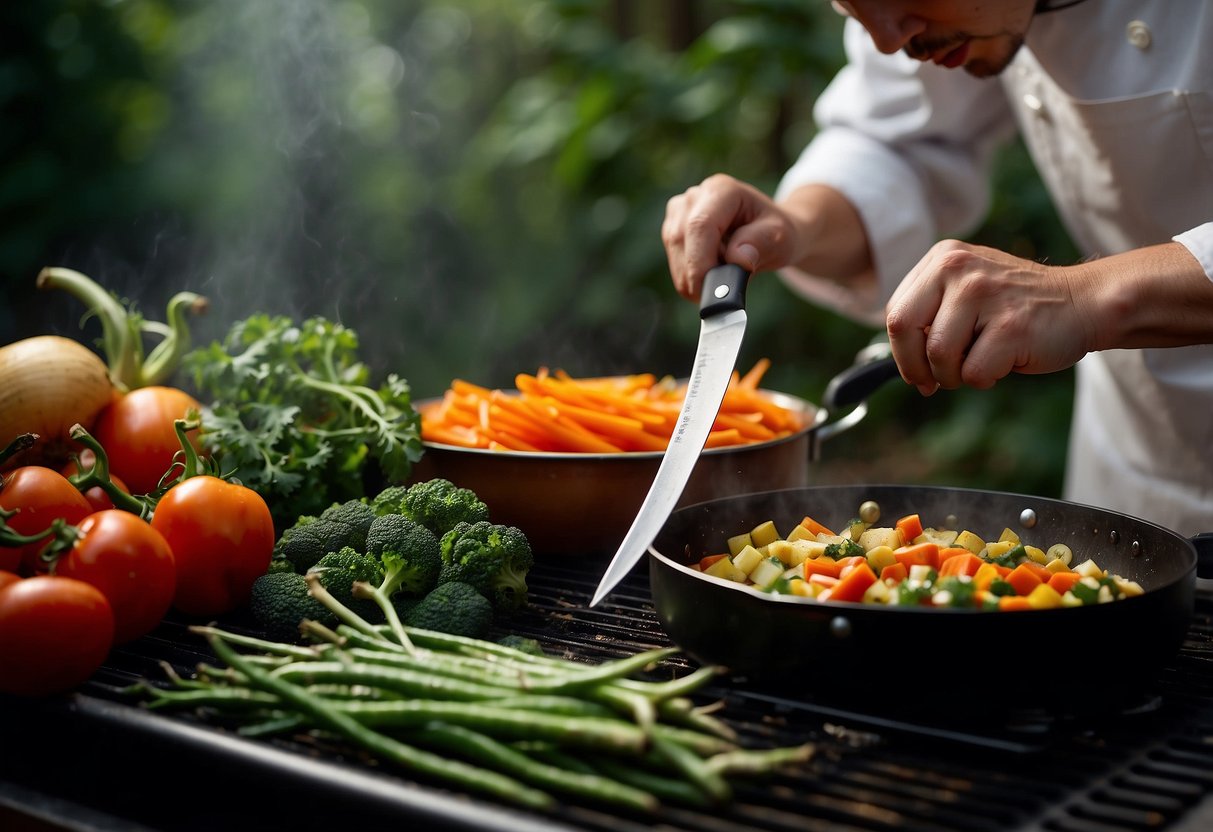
(345, 614)
(468, 776)
(375, 593)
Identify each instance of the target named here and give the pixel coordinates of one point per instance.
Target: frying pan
(930, 658)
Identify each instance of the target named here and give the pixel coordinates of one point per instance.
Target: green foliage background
(475, 186)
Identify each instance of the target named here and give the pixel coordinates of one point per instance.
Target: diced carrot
(964, 564)
(918, 554)
(708, 560)
(1063, 582)
(853, 584)
(1038, 570)
(895, 572)
(815, 527)
(984, 576)
(1024, 579)
(821, 566)
(847, 564)
(910, 527)
(824, 580)
(947, 552)
(1011, 603)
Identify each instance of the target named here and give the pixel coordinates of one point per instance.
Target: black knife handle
(723, 290)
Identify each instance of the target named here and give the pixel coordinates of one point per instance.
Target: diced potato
(919, 572)
(764, 534)
(830, 539)
(793, 552)
(1070, 600)
(747, 559)
(1089, 569)
(1009, 534)
(998, 549)
(804, 589)
(1037, 554)
(879, 557)
(880, 536)
(767, 573)
(794, 572)
(781, 549)
(1128, 587)
(801, 533)
(725, 569)
(1056, 566)
(941, 537)
(877, 593)
(739, 542)
(970, 541)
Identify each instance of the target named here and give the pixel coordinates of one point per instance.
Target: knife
(722, 325)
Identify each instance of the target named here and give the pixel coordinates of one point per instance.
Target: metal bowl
(582, 503)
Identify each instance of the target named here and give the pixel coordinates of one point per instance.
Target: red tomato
(222, 537)
(7, 578)
(96, 496)
(54, 633)
(40, 495)
(137, 433)
(132, 565)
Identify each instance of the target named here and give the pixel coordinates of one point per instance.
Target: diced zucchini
(763, 534)
(739, 542)
(970, 541)
(725, 569)
(879, 536)
(1056, 566)
(747, 559)
(1061, 552)
(767, 573)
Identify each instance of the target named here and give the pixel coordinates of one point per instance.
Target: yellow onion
(47, 384)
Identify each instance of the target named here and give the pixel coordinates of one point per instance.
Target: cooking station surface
(96, 760)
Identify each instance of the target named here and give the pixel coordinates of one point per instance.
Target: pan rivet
(1027, 518)
(1135, 548)
(951, 521)
(840, 627)
(1113, 536)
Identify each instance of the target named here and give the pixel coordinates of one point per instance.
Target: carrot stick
(752, 378)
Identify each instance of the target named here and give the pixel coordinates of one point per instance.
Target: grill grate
(1039, 769)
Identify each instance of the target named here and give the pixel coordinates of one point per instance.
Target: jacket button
(1139, 34)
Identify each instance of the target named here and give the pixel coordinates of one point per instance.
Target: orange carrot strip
(744, 426)
(466, 388)
(570, 434)
(453, 435)
(720, 438)
(613, 427)
(752, 378)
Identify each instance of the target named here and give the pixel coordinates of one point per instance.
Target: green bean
(316, 589)
(400, 680)
(275, 648)
(692, 767)
(750, 761)
(488, 751)
(666, 789)
(468, 776)
(220, 697)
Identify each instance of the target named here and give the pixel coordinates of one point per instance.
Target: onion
(47, 384)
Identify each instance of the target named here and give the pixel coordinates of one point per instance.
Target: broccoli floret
(280, 564)
(522, 644)
(389, 501)
(408, 552)
(491, 557)
(440, 505)
(456, 608)
(311, 538)
(280, 601)
(339, 570)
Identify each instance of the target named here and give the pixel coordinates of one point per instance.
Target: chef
(1114, 100)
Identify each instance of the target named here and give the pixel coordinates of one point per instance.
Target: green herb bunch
(291, 413)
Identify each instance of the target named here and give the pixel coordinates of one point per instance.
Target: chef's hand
(971, 315)
(723, 220)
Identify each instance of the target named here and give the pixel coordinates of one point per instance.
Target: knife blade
(722, 325)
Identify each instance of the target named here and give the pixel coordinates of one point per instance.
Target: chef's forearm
(1158, 296)
(831, 241)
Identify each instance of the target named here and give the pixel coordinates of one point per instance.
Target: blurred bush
(475, 186)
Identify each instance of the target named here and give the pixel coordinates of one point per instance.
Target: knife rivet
(720, 292)
(840, 627)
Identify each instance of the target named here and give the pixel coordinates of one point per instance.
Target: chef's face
(980, 35)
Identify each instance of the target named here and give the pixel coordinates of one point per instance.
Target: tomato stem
(21, 443)
(97, 475)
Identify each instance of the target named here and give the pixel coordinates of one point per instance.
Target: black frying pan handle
(1204, 554)
(858, 382)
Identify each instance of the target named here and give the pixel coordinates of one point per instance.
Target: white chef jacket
(1114, 100)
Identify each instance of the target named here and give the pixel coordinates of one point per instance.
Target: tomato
(222, 537)
(40, 495)
(96, 496)
(7, 578)
(130, 562)
(54, 633)
(136, 430)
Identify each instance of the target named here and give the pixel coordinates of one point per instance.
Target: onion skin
(47, 384)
